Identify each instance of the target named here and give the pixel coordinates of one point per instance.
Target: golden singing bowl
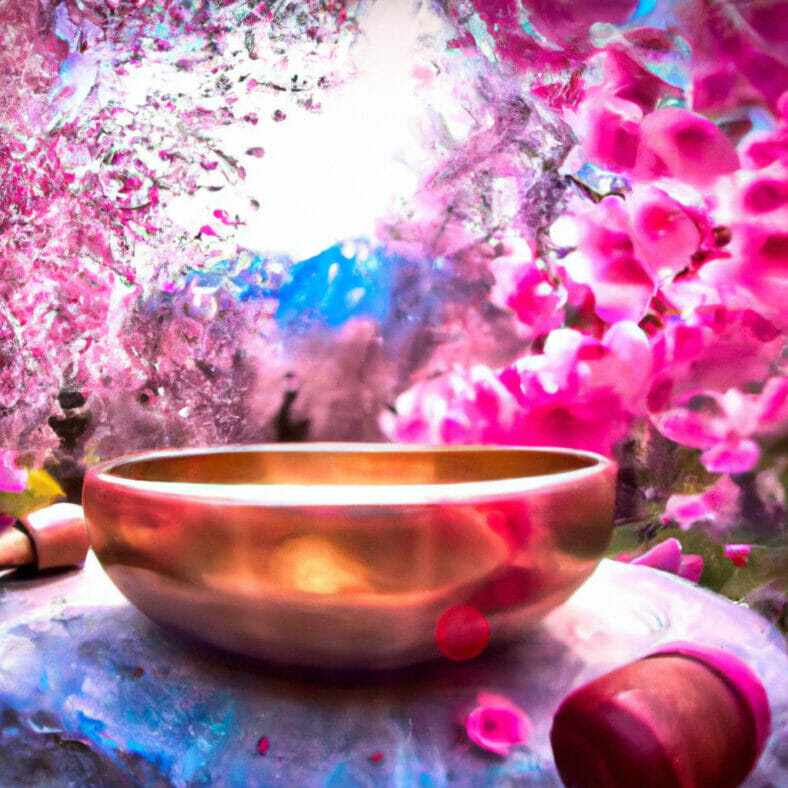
(350, 555)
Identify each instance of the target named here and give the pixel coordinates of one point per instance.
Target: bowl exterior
(338, 585)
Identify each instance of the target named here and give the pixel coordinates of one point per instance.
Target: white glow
(330, 174)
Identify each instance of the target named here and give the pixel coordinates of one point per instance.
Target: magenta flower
(625, 78)
(714, 349)
(723, 425)
(677, 143)
(462, 406)
(579, 392)
(716, 508)
(739, 52)
(566, 22)
(520, 285)
(626, 249)
(606, 261)
(667, 557)
(666, 234)
(610, 114)
(610, 130)
(739, 554)
(496, 724)
(12, 477)
(753, 277)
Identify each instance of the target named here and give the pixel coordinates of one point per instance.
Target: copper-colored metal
(347, 555)
(50, 538)
(16, 549)
(58, 534)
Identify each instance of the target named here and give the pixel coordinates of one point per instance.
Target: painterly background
(468, 221)
(458, 221)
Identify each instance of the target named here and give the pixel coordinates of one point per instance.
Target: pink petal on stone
(691, 567)
(496, 724)
(665, 556)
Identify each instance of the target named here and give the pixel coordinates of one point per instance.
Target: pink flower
(738, 553)
(496, 724)
(665, 233)
(12, 477)
(762, 148)
(667, 556)
(520, 285)
(753, 205)
(724, 425)
(677, 143)
(717, 507)
(462, 406)
(579, 392)
(609, 116)
(751, 37)
(609, 128)
(606, 261)
(714, 349)
(625, 249)
(566, 21)
(625, 78)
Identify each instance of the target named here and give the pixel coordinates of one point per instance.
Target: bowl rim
(329, 494)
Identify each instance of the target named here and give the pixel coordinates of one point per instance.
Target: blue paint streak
(342, 282)
(645, 7)
(90, 727)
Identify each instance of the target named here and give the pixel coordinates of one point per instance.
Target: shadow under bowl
(350, 556)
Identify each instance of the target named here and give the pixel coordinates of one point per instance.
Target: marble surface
(93, 694)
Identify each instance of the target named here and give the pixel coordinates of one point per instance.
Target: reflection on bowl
(348, 555)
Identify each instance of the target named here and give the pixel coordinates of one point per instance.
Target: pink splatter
(496, 724)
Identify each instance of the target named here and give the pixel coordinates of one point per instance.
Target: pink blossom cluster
(658, 297)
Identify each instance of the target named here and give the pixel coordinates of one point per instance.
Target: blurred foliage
(41, 491)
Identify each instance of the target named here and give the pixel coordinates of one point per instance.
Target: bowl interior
(369, 465)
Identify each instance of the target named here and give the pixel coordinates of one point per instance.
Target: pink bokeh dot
(462, 633)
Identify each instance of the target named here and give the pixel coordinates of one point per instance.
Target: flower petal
(496, 724)
(731, 457)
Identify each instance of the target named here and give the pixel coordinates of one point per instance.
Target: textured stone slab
(92, 693)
